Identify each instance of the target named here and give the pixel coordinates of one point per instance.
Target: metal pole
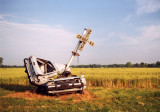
(73, 55)
(76, 50)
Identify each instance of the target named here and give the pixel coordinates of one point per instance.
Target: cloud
(2, 16)
(5, 16)
(21, 40)
(142, 45)
(32, 32)
(143, 35)
(147, 6)
(127, 18)
(150, 32)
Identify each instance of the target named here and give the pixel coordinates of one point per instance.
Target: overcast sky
(123, 30)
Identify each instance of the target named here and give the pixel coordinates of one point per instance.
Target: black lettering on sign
(80, 37)
(90, 43)
(81, 47)
(83, 39)
(86, 40)
(88, 33)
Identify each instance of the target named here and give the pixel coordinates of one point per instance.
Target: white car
(40, 73)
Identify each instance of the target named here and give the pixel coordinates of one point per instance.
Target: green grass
(135, 100)
(129, 99)
(115, 98)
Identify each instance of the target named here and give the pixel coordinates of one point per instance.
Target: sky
(123, 30)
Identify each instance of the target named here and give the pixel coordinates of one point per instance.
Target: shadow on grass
(23, 88)
(17, 87)
(32, 89)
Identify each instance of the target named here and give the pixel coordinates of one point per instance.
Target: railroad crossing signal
(85, 39)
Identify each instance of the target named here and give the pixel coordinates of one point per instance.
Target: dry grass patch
(75, 97)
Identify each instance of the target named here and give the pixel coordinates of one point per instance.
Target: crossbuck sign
(85, 39)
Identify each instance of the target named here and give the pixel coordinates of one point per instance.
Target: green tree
(142, 64)
(136, 65)
(128, 64)
(1, 61)
(158, 64)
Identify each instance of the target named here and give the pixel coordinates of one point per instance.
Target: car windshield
(45, 65)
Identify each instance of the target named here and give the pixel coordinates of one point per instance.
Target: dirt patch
(27, 95)
(86, 96)
(75, 97)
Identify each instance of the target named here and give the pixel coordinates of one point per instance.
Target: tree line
(128, 64)
(8, 66)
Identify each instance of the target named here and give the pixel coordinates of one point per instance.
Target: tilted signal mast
(83, 39)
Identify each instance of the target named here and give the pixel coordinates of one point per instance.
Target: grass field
(109, 89)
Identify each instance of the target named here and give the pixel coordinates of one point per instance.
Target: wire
(78, 64)
(78, 60)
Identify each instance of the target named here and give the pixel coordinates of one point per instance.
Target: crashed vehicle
(41, 72)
